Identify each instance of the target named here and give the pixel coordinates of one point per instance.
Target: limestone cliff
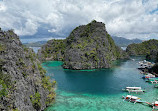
(87, 47)
(153, 55)
(23, 84)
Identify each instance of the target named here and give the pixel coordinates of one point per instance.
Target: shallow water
(99, 90)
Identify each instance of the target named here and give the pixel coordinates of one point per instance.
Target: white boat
(131, 98)
(145, 64)
(133, 89)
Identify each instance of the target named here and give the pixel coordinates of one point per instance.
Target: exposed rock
(23, 84)
(143, 48)
(154, 69)
(87, 47)
(153, 56)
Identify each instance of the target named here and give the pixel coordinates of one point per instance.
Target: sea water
(99, 90)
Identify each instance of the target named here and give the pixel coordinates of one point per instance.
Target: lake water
(99, 90)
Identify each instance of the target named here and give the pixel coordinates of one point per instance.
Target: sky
(46, 19)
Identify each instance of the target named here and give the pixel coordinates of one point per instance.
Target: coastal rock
(23, 84)
(153, 55)
(87, 47)
(154, 69)
(143, 48)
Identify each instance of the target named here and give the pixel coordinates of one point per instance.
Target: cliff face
(143, 48)
(23, 84)
(153, 55)
(87, 47)
(90, 46)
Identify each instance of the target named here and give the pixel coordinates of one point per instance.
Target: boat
(152, 80)
(155, 105)
(133, 89)
(131, 98)
(133, 59)
(143, 72)
(145, 64)
(148, 76)
(156, 85)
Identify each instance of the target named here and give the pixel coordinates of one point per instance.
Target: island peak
(87, 47)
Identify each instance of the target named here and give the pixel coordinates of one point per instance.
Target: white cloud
(2, 7)
(127, 18)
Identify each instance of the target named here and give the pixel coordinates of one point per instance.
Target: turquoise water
(99, 90)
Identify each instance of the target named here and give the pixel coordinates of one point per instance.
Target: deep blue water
(99, 90)
(103, 81)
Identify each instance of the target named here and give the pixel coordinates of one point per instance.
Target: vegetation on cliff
(87, 47)
(53, 50)
(23, 84)
(143, 48)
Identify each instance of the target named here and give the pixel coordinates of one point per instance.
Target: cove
(99, 90)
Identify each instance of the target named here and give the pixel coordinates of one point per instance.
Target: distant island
(123, 42)
(87, 47)
(23, 83)
(35, 44)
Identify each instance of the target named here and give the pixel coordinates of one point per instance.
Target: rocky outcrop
(52, 50)
(154, 69)
(143, 48)
(23, 84)
(153, 55)
(87, 47)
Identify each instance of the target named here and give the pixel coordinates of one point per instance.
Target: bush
(2, 47)
(35, 99)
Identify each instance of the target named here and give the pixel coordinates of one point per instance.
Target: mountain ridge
(123, 42)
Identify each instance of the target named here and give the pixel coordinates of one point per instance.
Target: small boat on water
(133, 59)
(133, 89)
(155, 105)
(131, 98)
(143, 72)
(152, 80)
(156, 85)
(145, 64)
(148, 76)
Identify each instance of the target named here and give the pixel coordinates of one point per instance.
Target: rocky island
(143, 48)
(87, 47)
(23, 84)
